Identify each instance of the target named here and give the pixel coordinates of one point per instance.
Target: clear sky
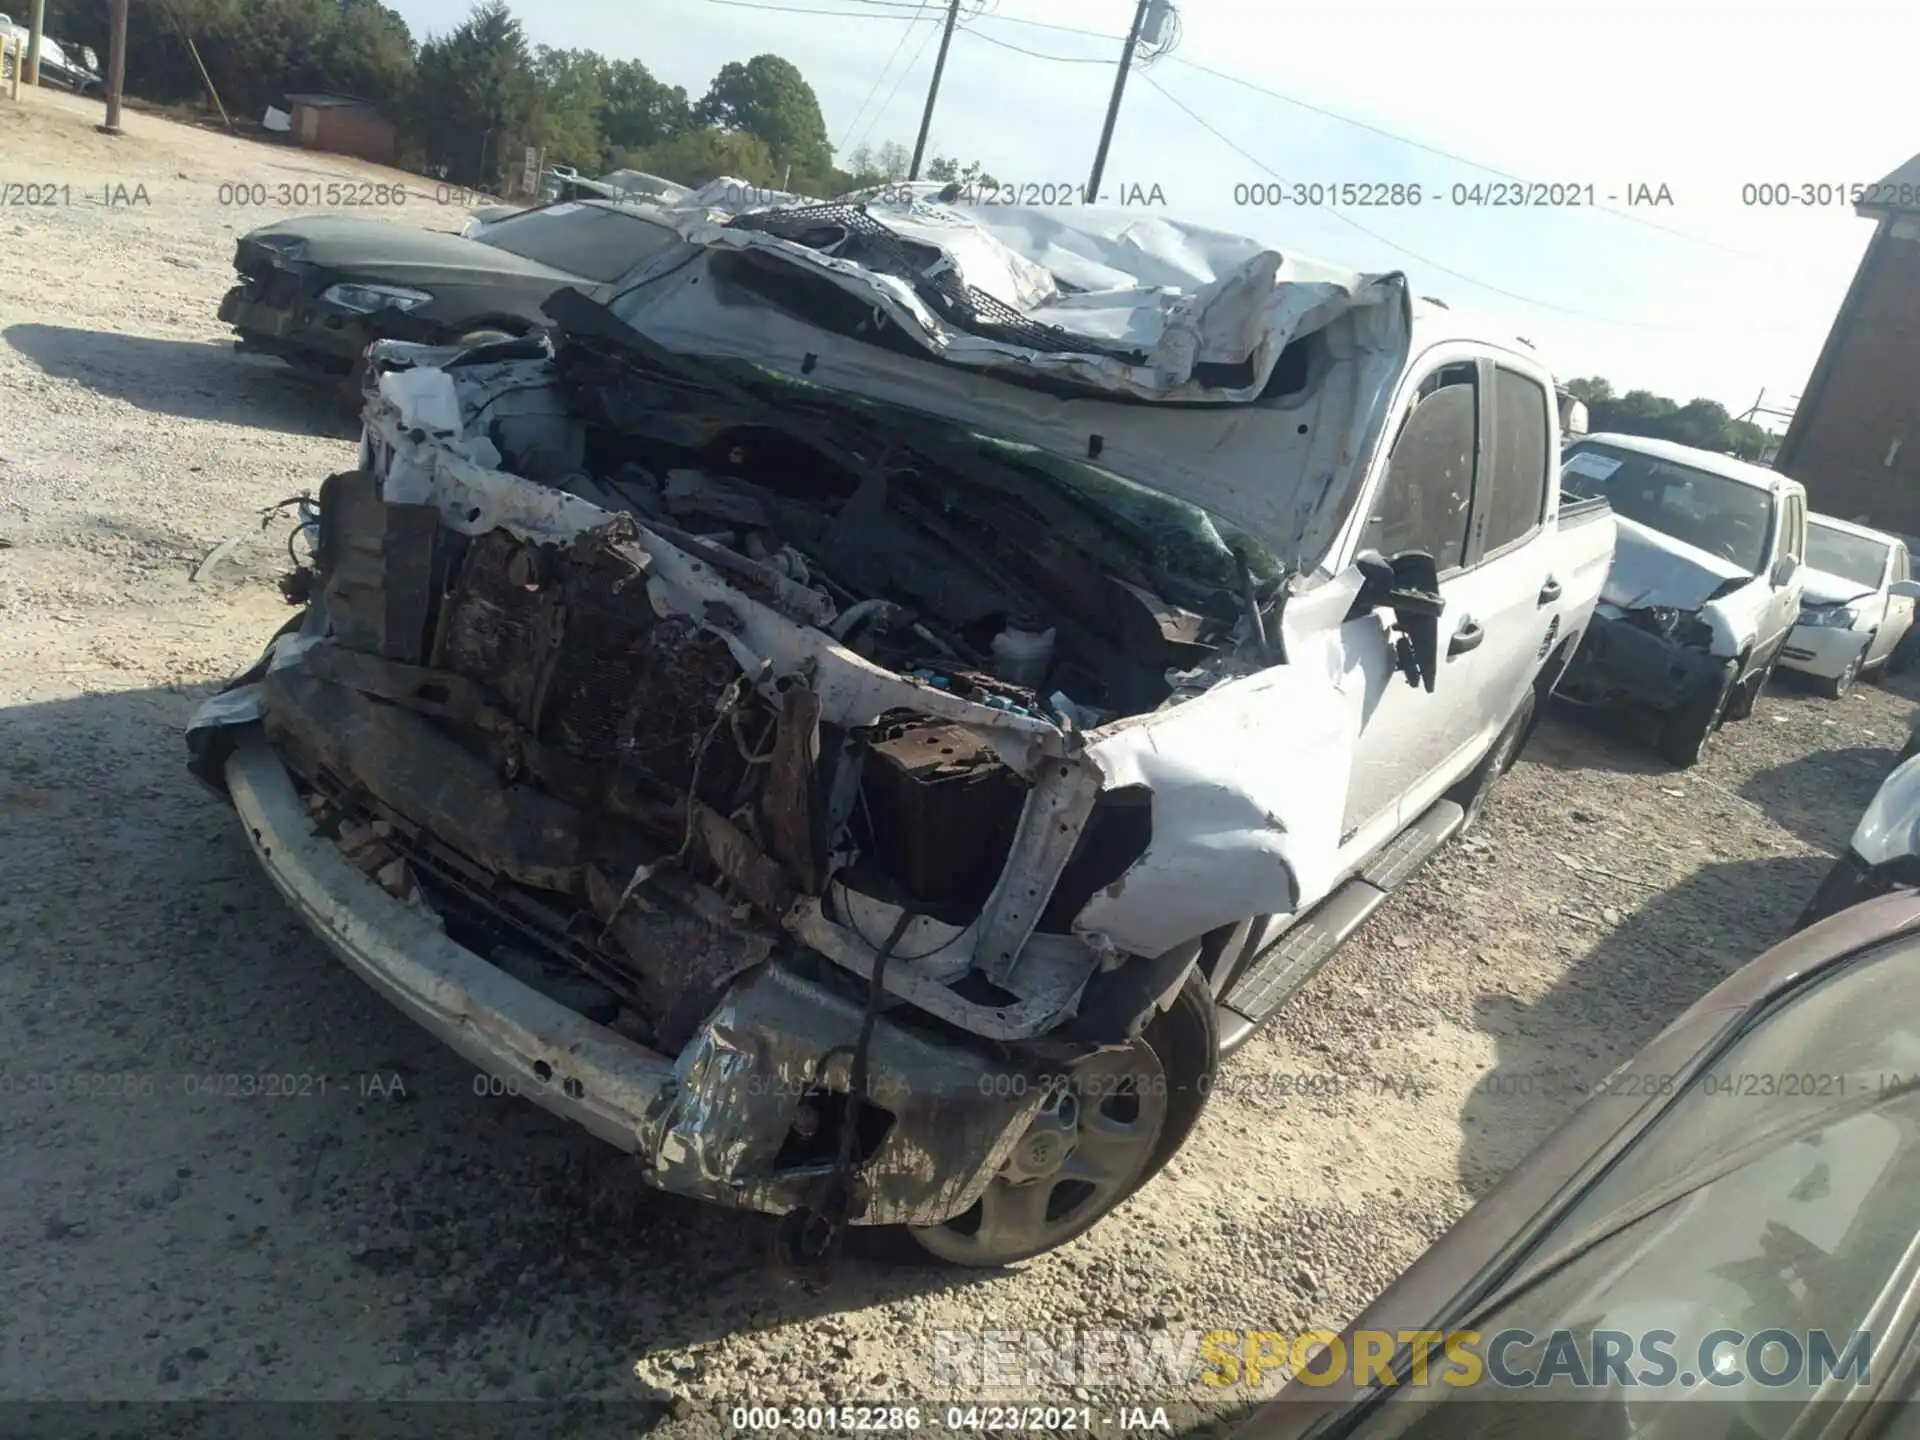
(1699, 96)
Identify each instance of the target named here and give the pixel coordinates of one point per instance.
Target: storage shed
(342, 124)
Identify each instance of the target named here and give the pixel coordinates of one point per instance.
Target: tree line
(1703, 424)
(468, 104)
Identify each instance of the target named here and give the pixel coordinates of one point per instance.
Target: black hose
(810, 1235)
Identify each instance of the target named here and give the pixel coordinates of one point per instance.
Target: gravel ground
(386, 1233)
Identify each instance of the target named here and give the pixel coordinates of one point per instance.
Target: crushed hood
(1131, 340)
(1823, 587)
(1651, 568)
(1135, 302)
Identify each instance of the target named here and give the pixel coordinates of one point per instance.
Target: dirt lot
(386, 1233)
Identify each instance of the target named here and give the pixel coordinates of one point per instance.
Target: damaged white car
(865, 719)
(1705, 586)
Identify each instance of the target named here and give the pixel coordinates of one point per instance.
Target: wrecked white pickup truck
(863, 721)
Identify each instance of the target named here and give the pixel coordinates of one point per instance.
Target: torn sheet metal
(1176, 295)
(742, 1081)
(1653, 568)
(768, 645)
(1047, 982)
(1241, 826)
(1281, 469)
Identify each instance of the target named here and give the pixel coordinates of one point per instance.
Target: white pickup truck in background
(1705, 586)
(927, 681)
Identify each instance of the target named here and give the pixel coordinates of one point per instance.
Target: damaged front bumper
(1622, 663)
(277, 317)
(730, 1119)
(1824, 651)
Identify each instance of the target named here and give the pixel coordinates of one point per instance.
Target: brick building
(343, 125)
(1854, 441)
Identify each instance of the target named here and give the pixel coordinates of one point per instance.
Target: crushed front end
(691, 788)
(1651, 657)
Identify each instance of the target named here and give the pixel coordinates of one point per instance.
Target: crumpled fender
(1246, 810)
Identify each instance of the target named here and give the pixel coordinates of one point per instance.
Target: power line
(882, 75)
(1037, 24)
(1414, 254)
(799, 10)
(1037, 55)
(925, 40)
(880, 10)
(1459, 159)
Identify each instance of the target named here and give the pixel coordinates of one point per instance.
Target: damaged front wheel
(1685, 732)
(1107, 1126)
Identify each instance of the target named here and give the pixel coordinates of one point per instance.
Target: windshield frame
(1769, 498)
(1048, 469)
(1885, 547)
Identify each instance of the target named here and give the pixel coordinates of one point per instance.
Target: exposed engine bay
(596, 791)
(988, 569)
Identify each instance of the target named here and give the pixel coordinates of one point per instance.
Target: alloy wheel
(1084, 1153)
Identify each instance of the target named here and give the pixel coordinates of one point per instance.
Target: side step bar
(1291, 960)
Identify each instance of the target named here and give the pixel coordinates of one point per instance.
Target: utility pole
(116, 62)
(1092, 197)
(36, 25)
(933, 90)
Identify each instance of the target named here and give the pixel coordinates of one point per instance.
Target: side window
(1517, 485)
(1902, 566)
(1426, 494)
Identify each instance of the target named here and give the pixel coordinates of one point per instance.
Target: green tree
(1701, 423)
(1748, 440)
(697, 156)
(255, 51)
(475, 100)
(769, 98)
(947, 170)
(572, 87)
(637, 110)
(371, 49)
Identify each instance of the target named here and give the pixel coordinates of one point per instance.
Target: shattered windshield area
(1184, 538)
(1181, 539)
(1710, 512)
(1851, 557)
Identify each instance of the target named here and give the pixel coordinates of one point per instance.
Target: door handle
(1550, 591)
(1469, 635)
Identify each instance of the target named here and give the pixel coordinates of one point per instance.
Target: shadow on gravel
(1580, 737)
(1591, 737)
(1819, 796)
(1638, 976)
(196, 380)
(449, 1240)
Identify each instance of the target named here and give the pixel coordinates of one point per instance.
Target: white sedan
(1857, 604)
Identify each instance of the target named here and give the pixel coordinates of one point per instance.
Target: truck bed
(1578, 509)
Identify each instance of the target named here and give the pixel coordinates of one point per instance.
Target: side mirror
(1784, 569)
(1905, 589)
(1409, 584)
(1376, 581)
